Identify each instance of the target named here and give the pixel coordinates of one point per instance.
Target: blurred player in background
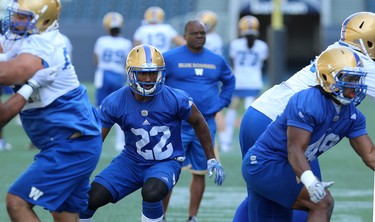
(209, 80)
(214, 43)
(155, 32)
(110, 52)
(277, 168)
(357, 34)
(58, 118)
(247, 55)
(150, 114)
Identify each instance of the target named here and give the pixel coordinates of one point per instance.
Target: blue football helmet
(141, 59)
(42, 15)
(340, 68)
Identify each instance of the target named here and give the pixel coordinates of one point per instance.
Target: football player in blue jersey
(277, 168)
(358, 34)
(58, 118)
(150, 114)
(209, 80)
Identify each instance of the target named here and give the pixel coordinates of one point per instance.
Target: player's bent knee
(154, 190)
(326, 205)
(98, 196)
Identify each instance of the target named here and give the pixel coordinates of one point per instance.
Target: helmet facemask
(350, 79)
(140, 87)
(341, 74)
(11, 28)
(36, 16)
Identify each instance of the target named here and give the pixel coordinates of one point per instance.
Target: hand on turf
(214, 165)
(43, 77)
(317, 190)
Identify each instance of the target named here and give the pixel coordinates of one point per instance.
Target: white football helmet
(154, 15)
(340, 68)
(359, 30)
(42, 16)
(209, 19)
(145, 58)
(248, 25)
(112, 20)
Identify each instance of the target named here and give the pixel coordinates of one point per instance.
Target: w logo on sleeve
(35, 193)
(198, 72)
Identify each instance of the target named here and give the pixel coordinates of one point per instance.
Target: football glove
(214, 165)
(317, 190)
(43, 77)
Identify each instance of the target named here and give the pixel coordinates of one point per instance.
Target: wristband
(210, 160)
(308, 178)
(3, 57)
(25, 91)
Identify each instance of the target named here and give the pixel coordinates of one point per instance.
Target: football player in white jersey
(14, 104)
(155, 32)
(247, 55)
(58, 118)
(357, 34)
(214, 42)
(110, 52)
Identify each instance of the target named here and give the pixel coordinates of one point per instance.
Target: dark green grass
(353, 188)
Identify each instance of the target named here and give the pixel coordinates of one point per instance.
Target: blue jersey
(311, 110)
(153, 128)
(200, 74)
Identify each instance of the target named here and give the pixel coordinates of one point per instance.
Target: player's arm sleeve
(185, 105)
(300, 113)
(228, 84)
(359, 126)
(107, 113)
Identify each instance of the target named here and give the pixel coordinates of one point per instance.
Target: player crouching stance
(277, 168)
(150, 114)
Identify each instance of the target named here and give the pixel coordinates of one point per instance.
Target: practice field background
(352, 191)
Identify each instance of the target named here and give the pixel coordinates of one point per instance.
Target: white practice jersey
(50, 47)
(112, 52)
(157, 35)
(273, 101)
(214, 43)
(68, 44)
(248, 63)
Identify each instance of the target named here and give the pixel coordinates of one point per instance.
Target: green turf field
(353, 188)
